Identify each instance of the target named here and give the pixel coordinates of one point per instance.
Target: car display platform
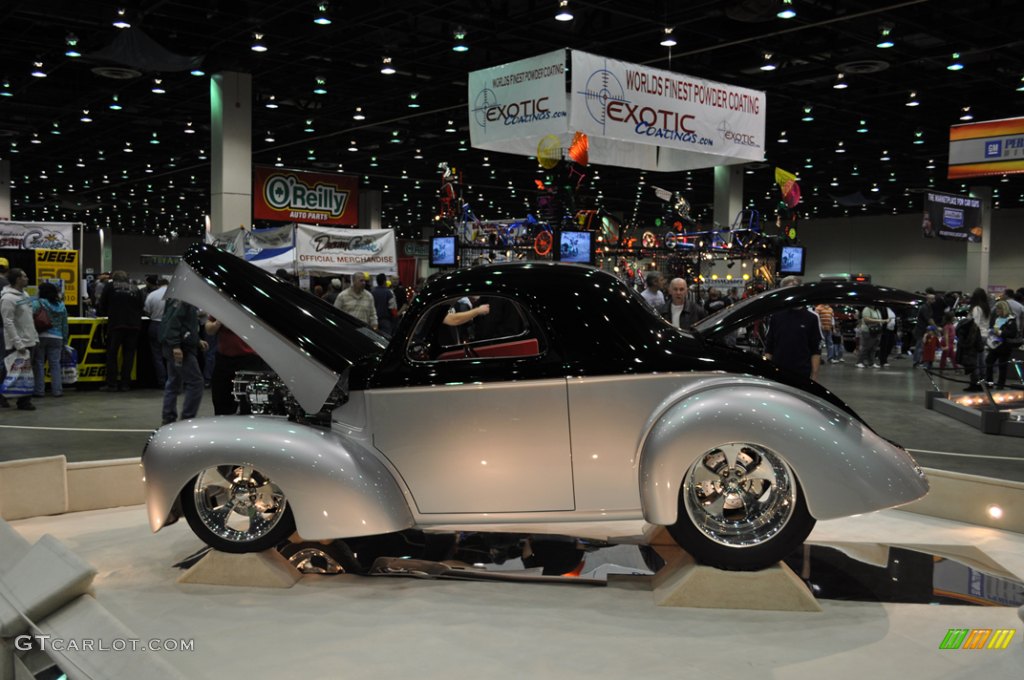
(359, 627)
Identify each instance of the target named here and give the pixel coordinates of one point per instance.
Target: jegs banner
(345, 251)
(293, 195)
(59, 267)
(951, 217)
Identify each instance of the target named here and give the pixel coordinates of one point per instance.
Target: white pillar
(231, 151)
(978, 253)
(728, 194)
(5, 190)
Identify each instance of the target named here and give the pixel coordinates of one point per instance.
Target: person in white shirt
(652, 293)
(153, 307)
(358, 301)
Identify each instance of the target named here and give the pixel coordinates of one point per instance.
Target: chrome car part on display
(565, 408)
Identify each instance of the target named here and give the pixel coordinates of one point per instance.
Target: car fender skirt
(842, 466)
(335, 486)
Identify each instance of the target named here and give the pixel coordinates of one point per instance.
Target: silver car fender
(335, 486)
(842, 466)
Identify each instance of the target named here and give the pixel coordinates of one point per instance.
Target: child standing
(930, 343)
(948, 343)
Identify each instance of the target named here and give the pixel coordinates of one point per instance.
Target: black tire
(747, 552)
(280, 526)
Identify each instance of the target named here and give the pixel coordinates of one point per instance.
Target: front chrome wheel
(740, 507)
(236, 508)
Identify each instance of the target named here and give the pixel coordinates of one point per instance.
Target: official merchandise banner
(513, 105)
(993, 147)
(680, 122)
(633, 116)
(33, 235)
(59, 267)
(951, 217)
(345, 251)
(293, 195)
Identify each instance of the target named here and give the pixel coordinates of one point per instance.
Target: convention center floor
(94, 425)
(348, 626)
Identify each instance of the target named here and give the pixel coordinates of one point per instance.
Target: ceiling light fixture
(965, 113)
(37, 70)
(115, 104)
(912, 101)
(786, 11)
(885, 156)
(358, 115)
(564, 14)
(808, 116)
(309, 126)
(782, 138)
(321, 86)
(321, 17)
(413, 104)
(154, 139)
(198, 72)
(450, 127)
(956, 64)
(257, 43)
(862, 127)
(885, 40)
(5, 89)
(460, 40)
(121, 18)
(918, 136)
(271, 102)
(768, 64)
(269, 139)
(352, 146)
(840, 83)
(158, 87)
(839, 147)
(668, 40)
(85, 116)
(189, 130)
(1020, 85)
(72, 42)
(386, 68)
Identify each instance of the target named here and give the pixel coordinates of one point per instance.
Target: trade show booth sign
(32, 235)
(634, 116)
(292, 195)
(952, 217)
(59, 267)
(992, 147)
(345, 251)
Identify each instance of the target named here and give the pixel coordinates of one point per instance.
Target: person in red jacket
(233, 355)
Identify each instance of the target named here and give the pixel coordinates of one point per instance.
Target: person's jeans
(868, 343)
(125, 339)
(187, 376)
(48, 350)
(829, 351)
(157, 352)
(837, 347)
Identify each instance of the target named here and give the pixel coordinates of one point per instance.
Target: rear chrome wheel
(236, 508)
(740, 507)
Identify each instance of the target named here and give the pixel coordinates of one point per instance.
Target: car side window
(472, 328)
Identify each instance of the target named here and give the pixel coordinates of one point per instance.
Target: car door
(474, 432)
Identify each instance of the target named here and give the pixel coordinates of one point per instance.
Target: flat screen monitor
(443, 251)
(791, 260)
(575, 246)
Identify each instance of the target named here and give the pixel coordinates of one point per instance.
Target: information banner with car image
(952, 217)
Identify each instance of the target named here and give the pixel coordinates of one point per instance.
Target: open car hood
(771, 301)
(308, 343)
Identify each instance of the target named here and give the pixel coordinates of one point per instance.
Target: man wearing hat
(358, 301)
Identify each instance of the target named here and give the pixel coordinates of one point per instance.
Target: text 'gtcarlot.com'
(24, 643)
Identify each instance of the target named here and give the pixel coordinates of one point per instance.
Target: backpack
(41, 319)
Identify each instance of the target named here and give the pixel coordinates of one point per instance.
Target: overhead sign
(59, 267)
(634, 116)
(292, 195)
(951, 217)
(33, 235)
(345, 251)
(993, 147)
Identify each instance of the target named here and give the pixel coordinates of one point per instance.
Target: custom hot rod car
(568, 404)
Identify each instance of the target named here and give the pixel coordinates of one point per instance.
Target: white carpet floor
(356, 627)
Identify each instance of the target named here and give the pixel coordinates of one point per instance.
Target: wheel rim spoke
(237, 503)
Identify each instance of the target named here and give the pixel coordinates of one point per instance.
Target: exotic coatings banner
(32, 235)
(671, 120)
(345, 251)
(59, 267)
(292, 195)
(951, 217)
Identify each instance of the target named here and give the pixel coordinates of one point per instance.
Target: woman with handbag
(19, 338)
(870, 333)
(1003, 338)
(52, 339)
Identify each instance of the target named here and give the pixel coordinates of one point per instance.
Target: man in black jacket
(121, 302)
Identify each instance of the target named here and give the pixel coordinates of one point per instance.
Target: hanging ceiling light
(269, 139)
(768, 64)
(322, 17)
(918, 136)
(158, 87)
(862, 127)
(450, 127)
(885, 156)
(85, 116)
(786, 11)
(257, 43)
(198, 72)
(912, 101)
(385, 66)
(413, 104)
(321, 86)
(460, 40)
(5, 89)
(189, 130)
(309, 126)
(885, 39)
(564, 14)
(840, 83)
(955, 64)
(72, 42)
(37, 70)
(782, 138)
(668, 40)
(121, 18)
(271, 102)
(115, 104)
(1020, 85)
(808, 115)
(358, 115)
(965, 113)
(352, 146)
